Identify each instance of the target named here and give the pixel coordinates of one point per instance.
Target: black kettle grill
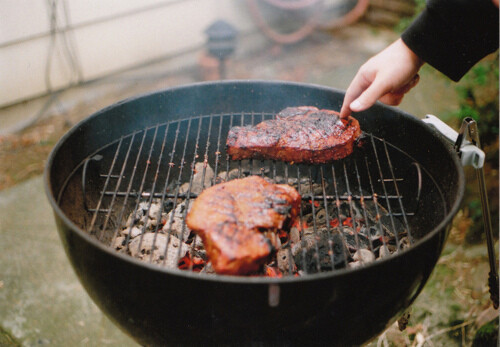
(147, 147)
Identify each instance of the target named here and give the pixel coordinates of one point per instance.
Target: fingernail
(355, 105)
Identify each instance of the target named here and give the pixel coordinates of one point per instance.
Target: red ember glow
(273, 272)
(316, 203)
(187, 262)
(300, 226)
(334, 223)
(347, 222)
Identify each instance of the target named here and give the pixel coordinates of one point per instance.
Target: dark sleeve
(453, 35)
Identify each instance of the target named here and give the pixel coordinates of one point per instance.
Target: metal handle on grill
(469, 153)
(96, 157)
(467, 145)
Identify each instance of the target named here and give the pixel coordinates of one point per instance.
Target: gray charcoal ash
(364, 256)
(208, 269)
(361, 257)
(168, 205)
(404, 243)
(279, 179)
(294, 235)
(134, 232)
(383, 252)
(373, 233)
(305, 187)
(155, 210)
(341, 254)
(284, 260)
(144, 205)
(119, 243)
(316, 250)
(385, 220)
(175, 221)
(134, 217)
(354, 264)
(202, 178)
(306, 241)
(224, 176)
(148, 215)
(160, 244)
(355, 242)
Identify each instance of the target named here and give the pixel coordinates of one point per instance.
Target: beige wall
(105, 35)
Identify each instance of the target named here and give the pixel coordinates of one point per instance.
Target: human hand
(387, 77)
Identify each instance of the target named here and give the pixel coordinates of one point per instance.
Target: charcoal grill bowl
(157, 306)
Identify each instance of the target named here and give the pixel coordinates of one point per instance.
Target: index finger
(358, 85)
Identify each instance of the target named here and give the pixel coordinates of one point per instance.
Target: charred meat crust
(301, 134)
(231, 217)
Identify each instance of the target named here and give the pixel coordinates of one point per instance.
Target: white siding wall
(106, 35)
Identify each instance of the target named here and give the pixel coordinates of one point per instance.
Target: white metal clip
(469, 153)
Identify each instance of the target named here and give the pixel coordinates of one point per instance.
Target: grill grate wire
(120, 188)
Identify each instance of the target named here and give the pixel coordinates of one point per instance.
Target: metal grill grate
(365, 193)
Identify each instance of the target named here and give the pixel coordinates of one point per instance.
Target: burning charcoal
(294, 235)
(341, 254)
(272, 271)
(383, 219)
(255, 167)
(354, 243)
(374, 232)
(160, 245)
(155, 210)
(305, 186)
(285, 260)
(198, 250)
(143, 206)
(191, 262)
(134, 232)
(225, 176)
(404, 243)
(175, 221)
(134, 217)
(168, 205)
(383, 252)
(354, 264)
(119, 243)
(208, 269)
(314, 252)
(279, 180)
(344, 210)
(306, 241)
(364, 256)
(202, 178)
(274, 238)
(356, 211)
(321, 217)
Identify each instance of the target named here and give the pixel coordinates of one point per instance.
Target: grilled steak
(231, 218)
(301, 134)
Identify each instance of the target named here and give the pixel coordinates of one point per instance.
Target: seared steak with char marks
(231, 217)
(301, 134)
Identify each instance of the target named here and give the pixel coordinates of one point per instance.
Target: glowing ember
(316, 203)
(273, 272)
(334, 223)
(301, 226)
(187, 262)
(347, 222)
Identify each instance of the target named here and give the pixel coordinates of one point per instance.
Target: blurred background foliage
(478, 98)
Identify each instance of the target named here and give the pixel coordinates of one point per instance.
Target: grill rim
(442, 226)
